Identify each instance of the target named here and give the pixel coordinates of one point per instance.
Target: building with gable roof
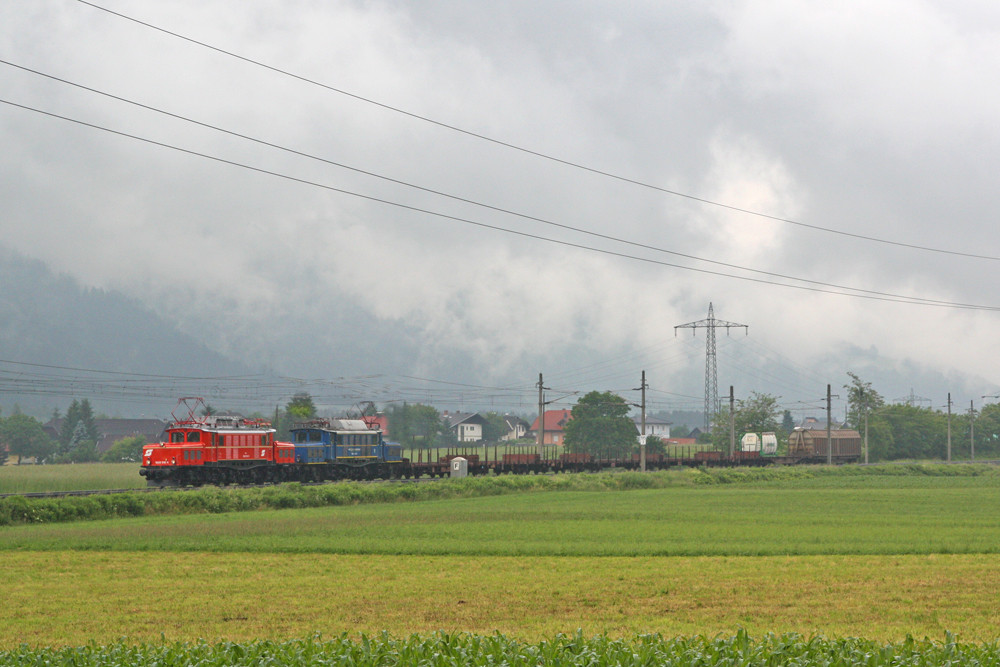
(555, 422)
(468, 426)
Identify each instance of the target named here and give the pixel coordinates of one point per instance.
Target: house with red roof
(555, 422)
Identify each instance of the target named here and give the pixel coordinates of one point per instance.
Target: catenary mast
(711, 370)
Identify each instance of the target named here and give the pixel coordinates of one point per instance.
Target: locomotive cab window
(177, 436)
(194, 436)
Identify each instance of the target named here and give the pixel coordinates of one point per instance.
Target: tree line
(24, 437)
(903, 431)
(895, 431)
(600, 423)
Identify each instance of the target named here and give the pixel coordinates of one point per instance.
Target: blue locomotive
(346, 444)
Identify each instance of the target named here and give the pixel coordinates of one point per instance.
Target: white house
(654, 426)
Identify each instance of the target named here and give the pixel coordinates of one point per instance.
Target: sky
(448, 198)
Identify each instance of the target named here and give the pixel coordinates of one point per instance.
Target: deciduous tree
(416, 426)
(495, 427)
(25, 438)
(600, 423)
(125, 450)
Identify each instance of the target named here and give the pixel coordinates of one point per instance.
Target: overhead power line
(292, 151)
(538, 154)
(828, 288)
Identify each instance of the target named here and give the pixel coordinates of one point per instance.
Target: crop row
(443, 649)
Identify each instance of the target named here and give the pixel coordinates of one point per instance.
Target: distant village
(467, 428)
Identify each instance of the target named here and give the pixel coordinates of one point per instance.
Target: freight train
(220, 450)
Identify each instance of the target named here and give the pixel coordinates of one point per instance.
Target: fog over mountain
(437, 201)
(53, 330)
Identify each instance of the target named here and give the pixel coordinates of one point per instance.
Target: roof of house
(813, 424)
(513, 421)
(555, 420)
(456, 418)
(651, 420)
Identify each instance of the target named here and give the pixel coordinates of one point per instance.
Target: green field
(818, 516)
(875, 553)
(70, 477)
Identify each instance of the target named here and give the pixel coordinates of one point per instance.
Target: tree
(862, 404)
(495, 427)
(78, 427)
(679, 431)
(988, 431)
(416, 426)
(861, 400)
(25, 438)
(445, 436)
(85, 451)
(599, 423)
(787, 423)
(301, 407)
(756, 414)
(655, 445)
(916, 432)
(68, 426)
(125, 450)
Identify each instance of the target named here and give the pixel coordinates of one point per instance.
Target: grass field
(876, 555)
(70, 477)
(819, 516)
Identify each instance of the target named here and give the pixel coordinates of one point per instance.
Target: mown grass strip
(71, 598)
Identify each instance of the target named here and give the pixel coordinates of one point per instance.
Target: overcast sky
(635, 162)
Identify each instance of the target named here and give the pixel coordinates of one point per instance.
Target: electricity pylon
(711, 371)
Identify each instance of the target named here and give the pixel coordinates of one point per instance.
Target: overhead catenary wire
(535, 153)
(606, 237)
(830, 289)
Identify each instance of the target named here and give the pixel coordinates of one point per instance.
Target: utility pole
(829, 445)
(972, 431)
(711, 370)
(948, 456)
(866, 435)
(732, 421)
(540, 439)
(984, 407)
(642, 436)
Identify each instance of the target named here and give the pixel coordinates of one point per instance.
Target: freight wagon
(810, 445)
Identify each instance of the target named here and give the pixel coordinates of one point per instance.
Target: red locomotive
(201, 449)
